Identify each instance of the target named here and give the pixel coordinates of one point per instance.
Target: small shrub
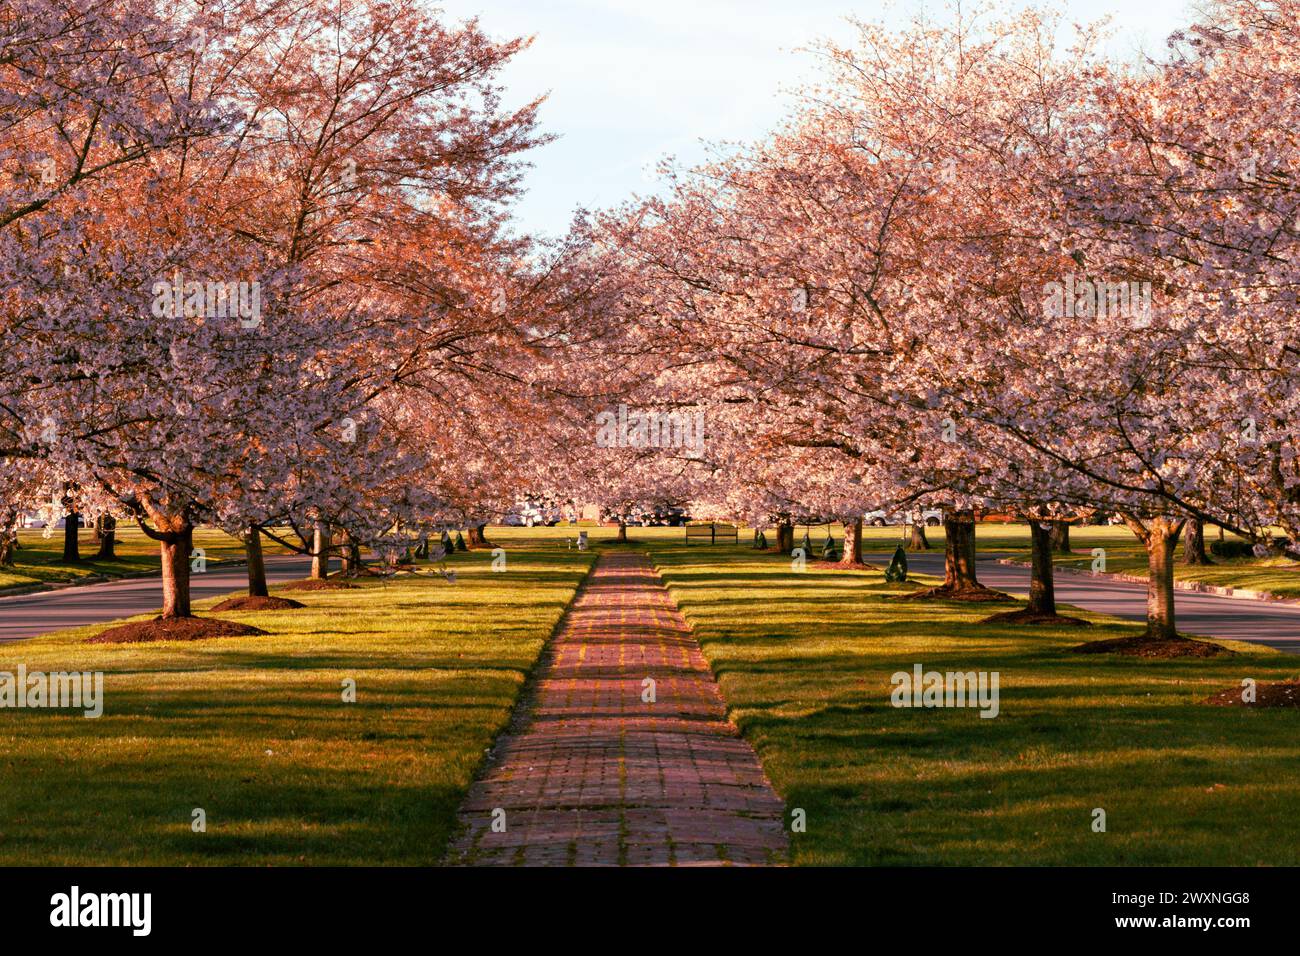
(1231, 548)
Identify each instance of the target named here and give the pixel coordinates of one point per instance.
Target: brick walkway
(598, 776)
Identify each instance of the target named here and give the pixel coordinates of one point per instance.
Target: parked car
(535, 515)
(528, 514)
(658, 517)
(880, 518)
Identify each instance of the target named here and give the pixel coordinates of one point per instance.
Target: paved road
(602, 775)
(28, 615)
(1277, 625)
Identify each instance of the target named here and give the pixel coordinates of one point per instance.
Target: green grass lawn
(255, 732)
(38, 560)
(805, 661)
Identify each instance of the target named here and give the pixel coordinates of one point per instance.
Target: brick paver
(598, 776)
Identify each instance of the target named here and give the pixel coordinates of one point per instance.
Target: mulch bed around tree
(941, 593)
(1026, 616)
(315, 584)
(257, 603)
(174, 629)
(1282, 694)
(1156, 647)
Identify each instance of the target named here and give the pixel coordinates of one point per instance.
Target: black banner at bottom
(332, 905)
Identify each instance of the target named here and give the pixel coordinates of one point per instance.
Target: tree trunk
(8, 537)
(320, 550)
(256, 562)
(1042, 586)
(622, 530)
(959, 551)
(785, 537)
(853, 543)
(107, 539)
(1160, 538)
(347, 568)
(1160, 587)
(917, 540)
(1061, 537)
(71, 544)
(478, 537)
(1194, 543)
(175, 554)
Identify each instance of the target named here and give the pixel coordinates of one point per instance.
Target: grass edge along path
(805, 660)
(254, 732)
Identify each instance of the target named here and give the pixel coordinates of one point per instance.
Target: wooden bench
(713, 531)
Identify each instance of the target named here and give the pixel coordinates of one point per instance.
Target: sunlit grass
(804, 661)
(255, 732)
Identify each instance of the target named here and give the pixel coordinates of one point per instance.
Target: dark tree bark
(917, 541)
(622, 530)
(1194, 543)
(785, 537)
(71, 542)
(1060, 534)
(1042, 584)
(256, 562)
(478, 537)
(959, 551)
(8, 537)
(107, 539)
(853, 544)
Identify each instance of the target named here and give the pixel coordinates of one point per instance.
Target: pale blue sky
(633, 80)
